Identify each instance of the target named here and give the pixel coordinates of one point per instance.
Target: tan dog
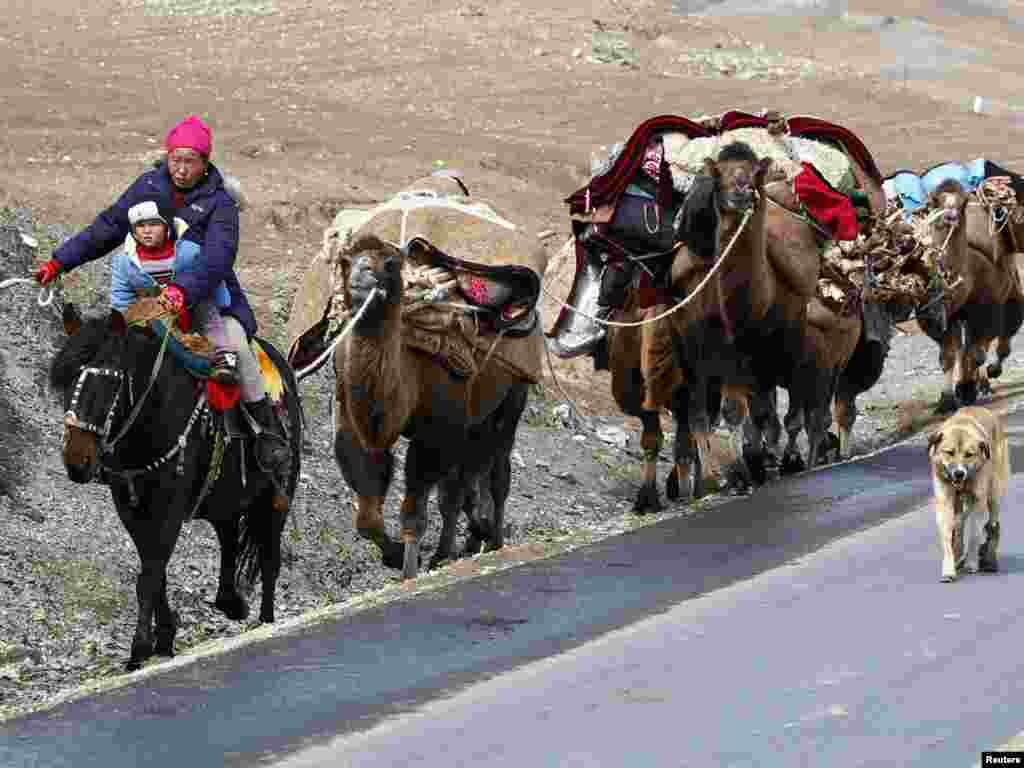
(970, 459)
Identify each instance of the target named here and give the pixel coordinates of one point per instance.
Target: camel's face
(948, 206)
(377, 270)
(738, 181)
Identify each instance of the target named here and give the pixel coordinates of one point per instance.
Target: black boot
(272, 452)
(224, 367)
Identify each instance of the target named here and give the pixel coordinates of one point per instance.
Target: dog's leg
(988, 557)
(975, 518)
(945, 520)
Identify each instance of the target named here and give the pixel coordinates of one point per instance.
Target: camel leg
(766, 432)
(368, 520)
(949, 360)
(742, 432)
(368, 475)
(451, 498)
(971, 358)
(845, 415)
(1003, 350)
(651, 442)
(424, 468)
(792, 461)
(691, 422)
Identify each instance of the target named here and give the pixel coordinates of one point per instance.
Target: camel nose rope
(29, 281)
(306, 370)
(675, 307)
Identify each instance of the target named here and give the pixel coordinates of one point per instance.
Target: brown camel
(830, 339)
(625, 360)
(386, 389)
(714, 338)
(861, 372)
(1000, 240)
(984, 306)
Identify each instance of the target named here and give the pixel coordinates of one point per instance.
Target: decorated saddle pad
(193, 350)
(461, 251)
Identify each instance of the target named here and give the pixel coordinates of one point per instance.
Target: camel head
(738, 174)
(947, 207)
(372, 270)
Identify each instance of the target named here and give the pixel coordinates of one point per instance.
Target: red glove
(173, 299)
(48, 272)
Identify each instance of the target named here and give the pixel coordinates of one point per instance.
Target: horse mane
(79, 350)
(83, 347)
(698, 219)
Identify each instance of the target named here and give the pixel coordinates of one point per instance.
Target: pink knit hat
(190, 133)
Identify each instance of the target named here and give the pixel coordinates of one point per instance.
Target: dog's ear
(934, 439)
(985, 451)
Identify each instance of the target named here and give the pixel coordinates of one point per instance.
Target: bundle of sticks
(903, 262)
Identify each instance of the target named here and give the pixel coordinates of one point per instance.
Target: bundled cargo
(905, 265)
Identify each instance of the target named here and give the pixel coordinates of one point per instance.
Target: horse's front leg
(229, 600)
(166, 624)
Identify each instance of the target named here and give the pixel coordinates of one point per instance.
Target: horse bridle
(71, 418)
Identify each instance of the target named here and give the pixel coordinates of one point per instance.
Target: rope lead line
(674, 308)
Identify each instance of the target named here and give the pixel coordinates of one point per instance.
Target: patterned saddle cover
(193, 350)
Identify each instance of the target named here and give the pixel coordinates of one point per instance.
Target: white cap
(144, 211)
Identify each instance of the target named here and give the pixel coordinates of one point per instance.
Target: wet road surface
(803, 625)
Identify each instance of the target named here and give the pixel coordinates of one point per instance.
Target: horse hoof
(647, 500)
(967, 392)
(757, 465)
(232, 605)
(947, 403)
(164, 649)
(394, 556)
(994, 370)
(791, 464)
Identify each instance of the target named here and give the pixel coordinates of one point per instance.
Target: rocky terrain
(318, 106)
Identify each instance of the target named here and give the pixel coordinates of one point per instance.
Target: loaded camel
(385, 389)
(984, 306)
(712, 340)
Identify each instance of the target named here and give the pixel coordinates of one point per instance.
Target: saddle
(193, 352)
(505, 295)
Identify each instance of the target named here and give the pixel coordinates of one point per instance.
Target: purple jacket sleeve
(216, 261)
(101, 237)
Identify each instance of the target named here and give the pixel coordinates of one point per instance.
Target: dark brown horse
(136, 420)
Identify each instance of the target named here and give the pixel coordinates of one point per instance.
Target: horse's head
(88, 370)
(739, 176)
(372, 274)
(947, 206)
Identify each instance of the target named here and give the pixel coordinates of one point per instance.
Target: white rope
(29, 281)
(322, 357)
(674, 308)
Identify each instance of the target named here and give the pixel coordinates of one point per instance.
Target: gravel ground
(67, 567)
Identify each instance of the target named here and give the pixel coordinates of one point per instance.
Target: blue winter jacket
(212, 218)
(127, 276)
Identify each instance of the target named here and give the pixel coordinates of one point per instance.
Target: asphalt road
(805, 625)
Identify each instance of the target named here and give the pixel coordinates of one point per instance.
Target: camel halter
(675, 307)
